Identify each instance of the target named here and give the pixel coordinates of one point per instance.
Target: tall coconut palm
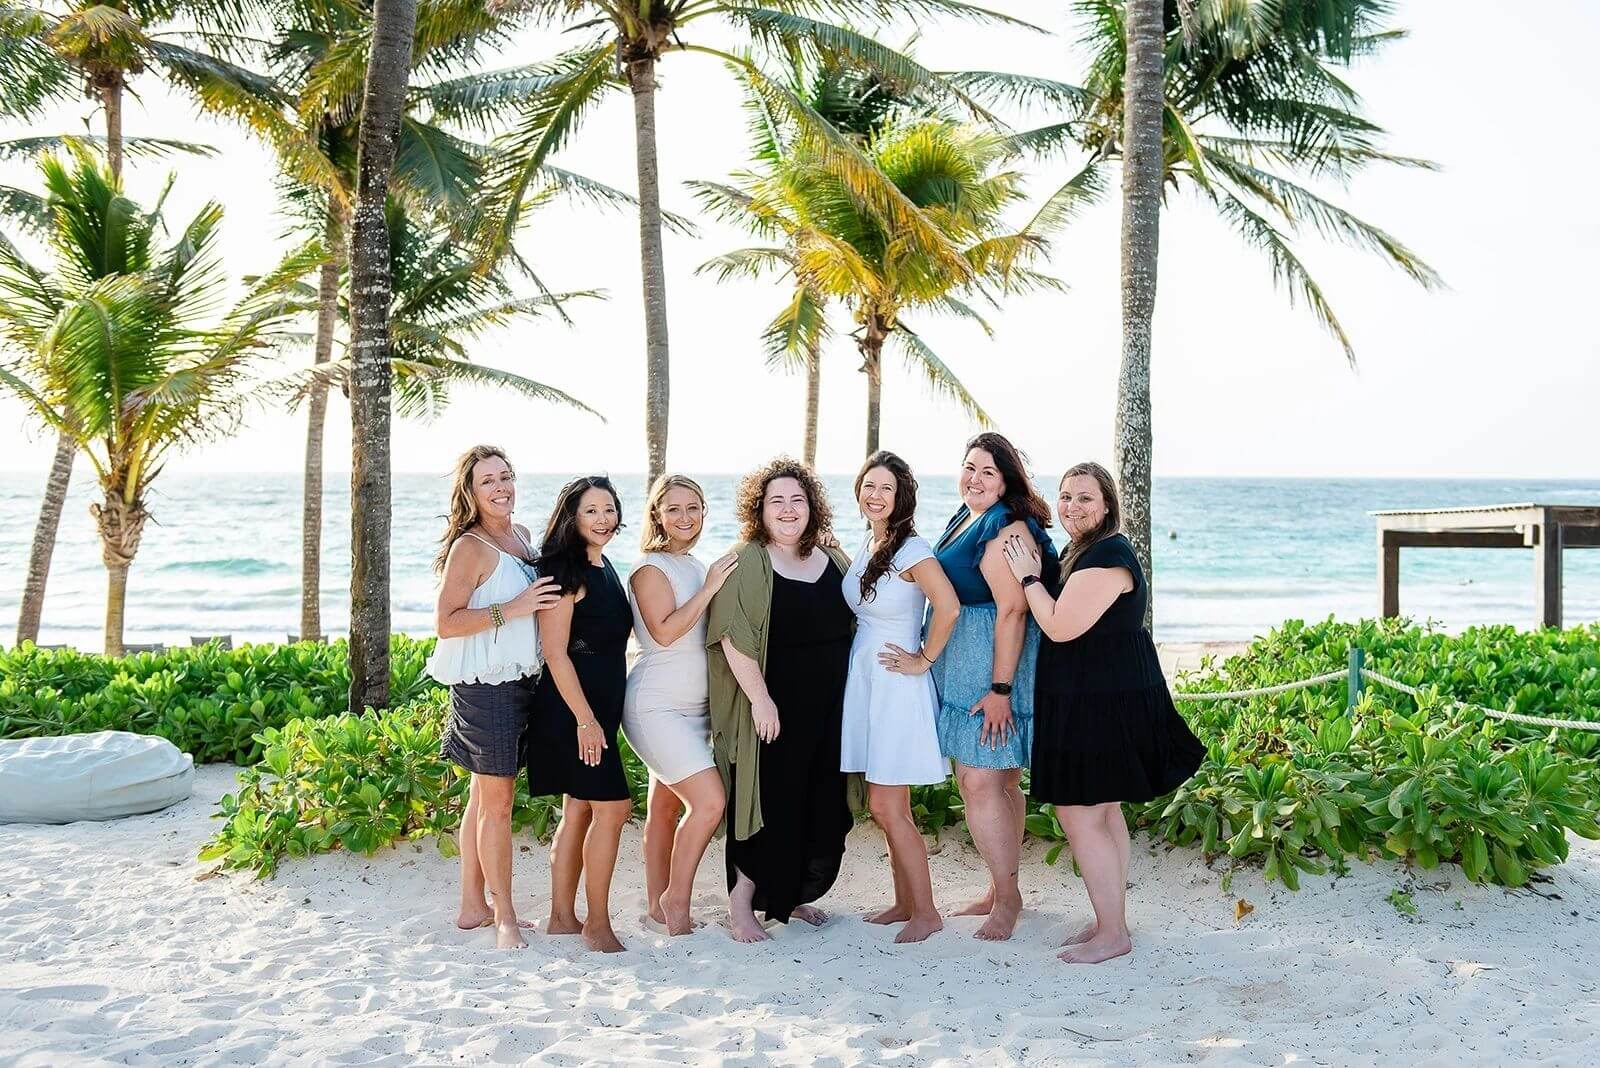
(839, 248)
(114, 347)
(1254, 106)
(54, 49)
(382, 109)
(636, 35)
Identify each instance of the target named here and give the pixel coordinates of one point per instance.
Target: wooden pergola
(1545, 528)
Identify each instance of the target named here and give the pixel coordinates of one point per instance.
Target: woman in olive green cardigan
(778, 650)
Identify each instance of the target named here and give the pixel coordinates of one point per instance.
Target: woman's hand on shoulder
(1022, 556)
(718, 572)
(541, 594)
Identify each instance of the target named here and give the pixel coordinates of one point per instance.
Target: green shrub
(208, 701)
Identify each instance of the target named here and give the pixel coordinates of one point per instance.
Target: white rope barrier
(1384, 680)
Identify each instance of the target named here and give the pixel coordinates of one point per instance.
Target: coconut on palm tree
(118, 347)
(838, 248)
(627, 40)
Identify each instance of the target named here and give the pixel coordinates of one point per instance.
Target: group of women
(787, 684)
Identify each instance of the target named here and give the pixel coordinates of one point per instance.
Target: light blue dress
(965, 669)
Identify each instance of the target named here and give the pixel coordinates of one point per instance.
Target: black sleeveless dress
(805, 811)
(1104, 726)
(598, 645)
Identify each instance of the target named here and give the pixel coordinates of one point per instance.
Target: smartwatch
(1029, 581)
(1001, 688)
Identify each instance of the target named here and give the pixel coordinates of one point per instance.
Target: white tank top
(493, 656)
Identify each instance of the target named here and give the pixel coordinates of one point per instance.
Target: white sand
(112, 951)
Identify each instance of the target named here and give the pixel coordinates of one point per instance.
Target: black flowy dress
(598, 645)
(1105, 728)
(795, 857)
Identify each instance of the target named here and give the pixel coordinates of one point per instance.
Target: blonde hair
(654, 538)
(463, 505)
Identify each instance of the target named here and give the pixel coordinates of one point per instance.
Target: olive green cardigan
(741, 612)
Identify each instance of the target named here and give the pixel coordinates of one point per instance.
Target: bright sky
(1496, 376)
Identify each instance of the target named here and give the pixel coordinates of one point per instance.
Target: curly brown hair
(752, 491)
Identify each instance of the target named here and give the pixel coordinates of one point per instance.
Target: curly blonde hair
(752, 491)
(654, 539)
(463, 506)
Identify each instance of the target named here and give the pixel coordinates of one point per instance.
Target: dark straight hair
(1022, 501)
(563, 554)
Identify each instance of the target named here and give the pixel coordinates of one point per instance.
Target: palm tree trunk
(371, 376)
(813, 400)
(1142, 166)
(111, 97)
(871, 345)
(121, 526)
(316, 414)
(642, 80)
(44, 538)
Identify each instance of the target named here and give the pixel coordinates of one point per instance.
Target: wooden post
(1358, 660)
(1547, 572)
(1388, 574)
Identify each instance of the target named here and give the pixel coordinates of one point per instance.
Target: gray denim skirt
(487, 720)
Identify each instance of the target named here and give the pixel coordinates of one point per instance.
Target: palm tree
(636, 35)
(1253, 106)
(382, 109)
(51, 51)
(835, 247)
(113, 349)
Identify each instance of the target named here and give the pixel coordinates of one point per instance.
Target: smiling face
(982, 484)
(785, 511)
(1081, 505)
(494, 488)
(681, 514)
(876, 494)
(596, 517)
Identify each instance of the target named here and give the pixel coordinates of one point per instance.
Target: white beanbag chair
(98, 776)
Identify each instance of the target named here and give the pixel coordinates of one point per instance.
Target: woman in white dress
(890, 704)
(488, 654)
(664, 713)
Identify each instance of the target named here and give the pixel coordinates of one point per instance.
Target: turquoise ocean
(1233, 556)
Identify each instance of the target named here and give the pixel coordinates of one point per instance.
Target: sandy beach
(119, 948)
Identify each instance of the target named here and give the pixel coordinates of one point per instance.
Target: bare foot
(896, 913)
(472, 917)
(675, 915)
(562, 925)
(810, 914)
(508, 935)
(1001, 922)
(600, 938)
(747, 928)
(981, 907)
(919, 927)
(1082, 934)
(657, 913)
(1097, 949)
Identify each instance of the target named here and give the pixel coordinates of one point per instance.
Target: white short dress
(890, 730)
(664, 714)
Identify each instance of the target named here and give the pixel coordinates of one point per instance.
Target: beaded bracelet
(497, 619)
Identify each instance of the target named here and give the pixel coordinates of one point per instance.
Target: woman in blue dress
(985, 674)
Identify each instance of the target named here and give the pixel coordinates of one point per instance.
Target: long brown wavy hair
(1022, 501)
(463, 505)
(654, 539)
(1111, 524)
(901, 523)
(752, 491)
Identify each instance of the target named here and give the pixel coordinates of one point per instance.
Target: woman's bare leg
(1096, 851)
(566, 866)
(1117, 829)
(599, 861)
(741, 911)
(908, 855)
(475, 910)
(660, 825)
(701, 796)
(991, 819)
(495, 796)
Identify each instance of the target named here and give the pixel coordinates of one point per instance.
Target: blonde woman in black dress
(572, 736)
(1105, 730)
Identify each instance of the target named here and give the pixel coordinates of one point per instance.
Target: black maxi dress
(598, 646)
(1104, 726)
(805, 814)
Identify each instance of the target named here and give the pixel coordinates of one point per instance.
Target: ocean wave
(226, 565)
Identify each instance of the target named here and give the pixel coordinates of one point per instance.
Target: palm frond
(936, 373)
(1022, 90)
(797, 332)
(756, 262)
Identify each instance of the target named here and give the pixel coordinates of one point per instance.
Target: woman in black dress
(1105, 730)
(779, 636)
(572, 736)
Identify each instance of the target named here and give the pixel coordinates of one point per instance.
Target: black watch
(1001, 688)
(1030, 580)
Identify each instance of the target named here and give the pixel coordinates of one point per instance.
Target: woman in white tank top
(664, 715)
(488, 654)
